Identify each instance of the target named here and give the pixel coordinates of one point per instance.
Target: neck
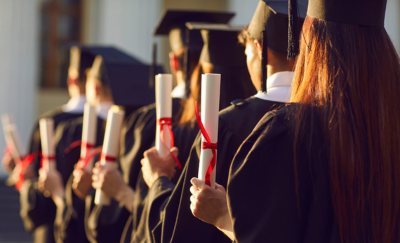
(272, 69)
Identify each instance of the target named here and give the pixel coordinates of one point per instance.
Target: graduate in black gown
(138, 133)
(324, 169)
(235, 123)
(112, 74)
(224, 55)
(38, 211)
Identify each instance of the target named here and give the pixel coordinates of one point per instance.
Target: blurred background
(33, 60)
(33, 34)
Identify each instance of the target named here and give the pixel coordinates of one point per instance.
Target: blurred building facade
(33, 35)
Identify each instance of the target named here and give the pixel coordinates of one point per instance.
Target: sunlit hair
(235, 84)
(348, 78)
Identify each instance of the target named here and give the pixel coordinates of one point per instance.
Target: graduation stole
(207, 145)
(168, 122)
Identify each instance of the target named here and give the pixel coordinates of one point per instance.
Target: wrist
(121, 193)
(224, 223)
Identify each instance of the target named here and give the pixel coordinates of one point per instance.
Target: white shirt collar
(179, 91)
(75, 105)
(102, 109)
(279, 87)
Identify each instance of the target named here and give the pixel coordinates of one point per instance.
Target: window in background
(61, 22)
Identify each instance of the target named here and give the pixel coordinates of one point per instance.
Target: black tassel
(153, 67)
(264, 62)
(293, 45)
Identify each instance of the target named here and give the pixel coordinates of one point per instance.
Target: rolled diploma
(210, 91)
(164, 110)
(13, 138)
(89, 132)
(6, 120)
(110, 148)
(46, 126)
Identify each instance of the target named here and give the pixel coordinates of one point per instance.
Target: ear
(97, 89)
(173, 62)
(258, 45)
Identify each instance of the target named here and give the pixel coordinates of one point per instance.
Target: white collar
(75, 105)
(179, 91)
(279, 87)
(102, 109)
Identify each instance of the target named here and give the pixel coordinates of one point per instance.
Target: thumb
(175, 151)
(199, 184)
(219, 187)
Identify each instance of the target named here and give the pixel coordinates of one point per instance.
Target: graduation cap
(270, 25)
(79, 62)
(127, 77)
(221, 47)
(173, 21)
(358, 12)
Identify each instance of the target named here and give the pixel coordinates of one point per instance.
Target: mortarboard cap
(358, 12)
(172, 23)
(127, 77)
(221, 47)
(272, 16)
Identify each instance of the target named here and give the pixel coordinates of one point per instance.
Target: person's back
(346, 129)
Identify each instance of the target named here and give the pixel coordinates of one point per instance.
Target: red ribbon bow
(168, 122)
(207, 145)
(72, 81)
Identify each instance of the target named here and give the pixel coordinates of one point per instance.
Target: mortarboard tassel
(264, 62)
(153, 67)
(293, 45)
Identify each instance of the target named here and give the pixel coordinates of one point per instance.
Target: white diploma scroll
(88, 133)
(46, 126)
(13, 138)
(110, 148)
(164, 110)
(210, 92)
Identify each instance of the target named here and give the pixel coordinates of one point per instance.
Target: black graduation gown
(185, 136)
(176, 223)
(70, 227)
(262, 186)
(107, 223)
(58, 115)
(37, 211)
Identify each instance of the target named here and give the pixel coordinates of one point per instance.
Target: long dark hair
(349, 77)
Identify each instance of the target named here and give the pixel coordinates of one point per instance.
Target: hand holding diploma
(111, 183)
(110, 148)
(210, 206)
(154, 166)
(82, 182)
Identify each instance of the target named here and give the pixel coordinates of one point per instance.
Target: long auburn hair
(235, 84)
(348, 76)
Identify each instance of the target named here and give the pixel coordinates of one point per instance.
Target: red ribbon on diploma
(103, 157)
(207, 145)
(82, 160)
(72, 81)
(168, 122)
